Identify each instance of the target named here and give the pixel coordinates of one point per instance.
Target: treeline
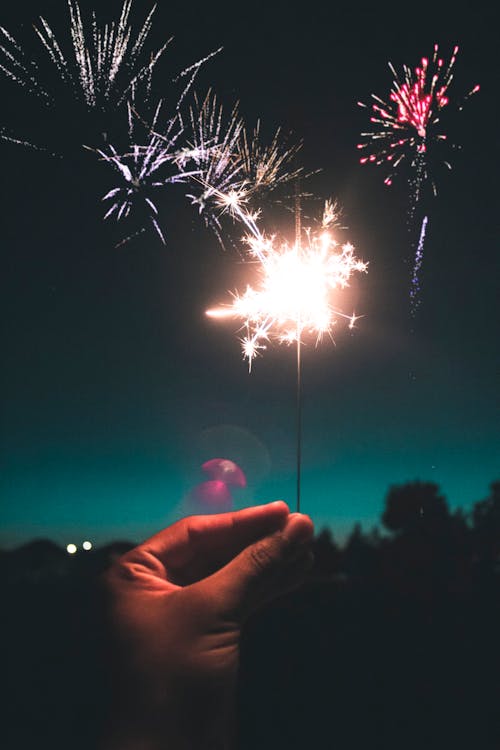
(418, 529)
(421, 539)
(392, 641)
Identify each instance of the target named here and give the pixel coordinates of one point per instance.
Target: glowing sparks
(298, 289)
(409, 121)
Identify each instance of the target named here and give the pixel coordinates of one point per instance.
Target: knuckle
(263, 555)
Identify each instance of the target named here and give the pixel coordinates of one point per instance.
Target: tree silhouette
(359, 554)
(486, 525)
(415, 506)
(326, 554)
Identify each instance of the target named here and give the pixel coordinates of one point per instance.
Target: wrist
(173, 726)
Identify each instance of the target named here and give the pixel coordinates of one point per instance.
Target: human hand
(177, 605)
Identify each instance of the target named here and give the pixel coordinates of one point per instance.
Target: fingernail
(296, 531)
(277, 504)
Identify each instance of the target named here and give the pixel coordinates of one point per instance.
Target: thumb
(265, 569)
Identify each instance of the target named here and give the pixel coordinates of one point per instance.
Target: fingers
(265, 569)
(197, 545)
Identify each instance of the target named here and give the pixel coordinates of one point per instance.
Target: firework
(235, 171)
(297, 284)
(207, 155)
(265, 166)
(90, 77)
(212, 149)
(405, 127)
(105, 66)
(143, 171)
(410, 120)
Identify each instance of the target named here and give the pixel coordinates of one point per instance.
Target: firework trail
(406, 127)
(415, 282)
(297, 283)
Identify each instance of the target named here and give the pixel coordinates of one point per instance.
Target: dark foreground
(391, 643)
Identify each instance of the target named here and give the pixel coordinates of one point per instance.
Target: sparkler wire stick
(299, 418)
(298, 230)
(293, 296)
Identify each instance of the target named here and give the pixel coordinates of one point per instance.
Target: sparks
(297, 283)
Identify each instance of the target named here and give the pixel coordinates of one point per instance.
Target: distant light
(87, 545)
(71, 549)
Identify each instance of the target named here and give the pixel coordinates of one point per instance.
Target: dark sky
(116, 387)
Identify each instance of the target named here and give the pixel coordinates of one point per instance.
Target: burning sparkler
(294, 297)
(405, 128)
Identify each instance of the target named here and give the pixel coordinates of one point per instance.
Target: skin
(176, 605)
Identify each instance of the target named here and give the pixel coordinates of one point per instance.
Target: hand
(177, 605)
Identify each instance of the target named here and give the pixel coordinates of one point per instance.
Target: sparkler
(296, 296)
(406, 126)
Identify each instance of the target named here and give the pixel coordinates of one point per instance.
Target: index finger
(223, 535)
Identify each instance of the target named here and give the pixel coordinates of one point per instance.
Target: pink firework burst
(409, 121)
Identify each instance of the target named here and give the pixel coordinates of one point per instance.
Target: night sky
(116, 387)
